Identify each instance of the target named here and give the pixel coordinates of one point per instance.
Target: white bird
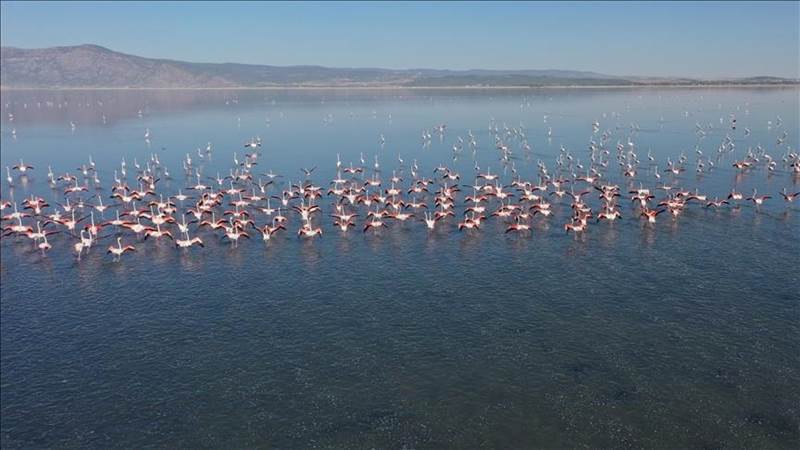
(186, 243)
(119, 250)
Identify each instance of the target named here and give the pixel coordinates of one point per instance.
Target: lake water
(681, 334)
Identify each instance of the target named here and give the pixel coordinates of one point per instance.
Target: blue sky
(717, 39)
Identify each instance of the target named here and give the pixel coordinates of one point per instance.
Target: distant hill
(92, 66)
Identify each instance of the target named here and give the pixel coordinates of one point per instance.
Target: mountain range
(93, 66)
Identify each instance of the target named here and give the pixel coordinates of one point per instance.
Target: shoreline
(398, 88)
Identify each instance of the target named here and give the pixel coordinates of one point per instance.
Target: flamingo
(518, 227)
(186, 243)
(22, 167)
(157, 233)
(267, 231)
(758, 200)
(119, 250)
(80, 245)
(651, 214)
(234, 234)
(575, 226)
(789, 197)
(44, 245)
(308, 231)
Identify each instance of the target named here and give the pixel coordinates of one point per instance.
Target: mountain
(92, 66)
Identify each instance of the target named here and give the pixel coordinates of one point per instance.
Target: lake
(678, 334)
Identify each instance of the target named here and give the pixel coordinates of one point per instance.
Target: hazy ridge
(92, 66)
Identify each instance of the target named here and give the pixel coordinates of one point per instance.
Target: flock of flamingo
(245, 202)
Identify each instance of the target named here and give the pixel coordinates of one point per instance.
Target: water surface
(679, 335)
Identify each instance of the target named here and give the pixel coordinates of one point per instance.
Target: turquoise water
(683, 334)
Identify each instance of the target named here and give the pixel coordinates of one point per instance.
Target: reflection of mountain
(88, 106)
(94, 66)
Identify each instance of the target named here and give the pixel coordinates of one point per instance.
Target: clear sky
(717, 39)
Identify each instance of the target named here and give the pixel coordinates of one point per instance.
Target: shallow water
(678, 335)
